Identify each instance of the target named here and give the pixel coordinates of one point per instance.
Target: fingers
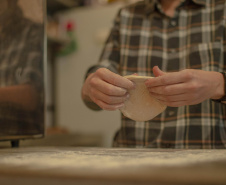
(174, 100)
(107, 88)
(172, 95)
(108, 107)
(114, 79)
(173, 89)
(169, 90)
(109, 102)
(110, 99)
(157, 72)
(170, 78)
(170, 98)
(186, 87)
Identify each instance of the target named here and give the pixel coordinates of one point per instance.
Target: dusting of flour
(107, 159)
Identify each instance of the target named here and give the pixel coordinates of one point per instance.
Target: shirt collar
(150, 4)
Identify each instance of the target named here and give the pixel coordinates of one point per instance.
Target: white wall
(71, 112)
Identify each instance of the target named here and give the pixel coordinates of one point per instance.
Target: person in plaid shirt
(183, 44)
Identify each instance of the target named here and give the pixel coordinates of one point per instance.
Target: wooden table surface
(111, 166)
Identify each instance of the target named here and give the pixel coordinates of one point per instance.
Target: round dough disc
(141, 106)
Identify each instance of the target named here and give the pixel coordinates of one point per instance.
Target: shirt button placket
(173, 22)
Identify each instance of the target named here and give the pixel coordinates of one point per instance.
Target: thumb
(157, 72)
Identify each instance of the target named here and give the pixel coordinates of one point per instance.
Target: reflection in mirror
(21, 69)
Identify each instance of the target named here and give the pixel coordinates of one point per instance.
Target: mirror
(21, 69)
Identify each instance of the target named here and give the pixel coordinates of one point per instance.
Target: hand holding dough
(141, 106)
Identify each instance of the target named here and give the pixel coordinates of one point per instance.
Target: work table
(111, 166)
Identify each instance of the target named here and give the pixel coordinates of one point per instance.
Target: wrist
(89, 103)
(220, 89)
(84, 94)
(85, 88)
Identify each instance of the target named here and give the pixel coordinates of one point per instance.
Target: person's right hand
(107, 89)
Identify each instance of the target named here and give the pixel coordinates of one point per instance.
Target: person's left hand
(186, 87)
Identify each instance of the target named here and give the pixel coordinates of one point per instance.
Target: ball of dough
(141, 106)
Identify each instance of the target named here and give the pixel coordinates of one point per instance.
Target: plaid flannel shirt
(194, 38)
